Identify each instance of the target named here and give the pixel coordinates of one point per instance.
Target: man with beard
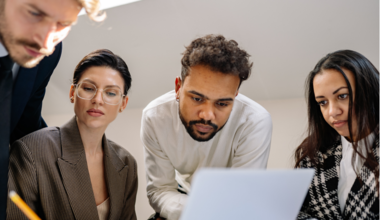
(205, 122)
(30, 48)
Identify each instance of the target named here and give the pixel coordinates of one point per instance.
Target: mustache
(202, 121)
(35, 46)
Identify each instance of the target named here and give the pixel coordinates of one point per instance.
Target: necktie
(6, 82)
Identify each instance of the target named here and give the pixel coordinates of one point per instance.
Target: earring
(71, 99)
(177, 99)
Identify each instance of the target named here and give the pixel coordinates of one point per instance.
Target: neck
(91, 138)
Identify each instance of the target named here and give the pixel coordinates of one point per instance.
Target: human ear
(72, 93)
(178, 83)
(124, 103)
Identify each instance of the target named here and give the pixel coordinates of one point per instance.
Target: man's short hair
(92, 9)
(219, 54)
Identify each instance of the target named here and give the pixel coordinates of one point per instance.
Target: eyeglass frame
(96, 90)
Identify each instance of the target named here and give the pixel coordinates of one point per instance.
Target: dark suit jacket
(28, 92)
(48, 169)
(322, 198)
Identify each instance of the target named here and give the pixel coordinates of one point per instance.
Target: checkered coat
(321, 201)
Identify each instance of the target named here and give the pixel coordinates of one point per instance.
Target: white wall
(289, 122)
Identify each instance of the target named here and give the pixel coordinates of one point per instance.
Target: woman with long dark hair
(343, 138)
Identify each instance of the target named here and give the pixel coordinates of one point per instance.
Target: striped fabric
(48, 169)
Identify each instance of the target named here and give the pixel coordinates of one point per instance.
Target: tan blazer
(48, 169)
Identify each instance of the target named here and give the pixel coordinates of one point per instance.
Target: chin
(93, 123)
(30, 63)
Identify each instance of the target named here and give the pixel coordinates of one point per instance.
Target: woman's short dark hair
(104, 58)
(321, 136)
(219, 55)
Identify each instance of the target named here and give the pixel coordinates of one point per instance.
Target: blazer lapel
(21, 92)
(74, 172)
(332, 159)
(367, 177)
(116, 173)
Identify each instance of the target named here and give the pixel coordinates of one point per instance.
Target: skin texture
(332, 94)
(30, 29)
(206, 99)
(92, 128)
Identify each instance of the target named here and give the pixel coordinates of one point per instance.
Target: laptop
(237, 194)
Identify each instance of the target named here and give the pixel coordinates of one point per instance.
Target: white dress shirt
(347, 174)
(172, 155)
(15, 68)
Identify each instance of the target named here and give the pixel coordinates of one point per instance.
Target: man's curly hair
(219, 55)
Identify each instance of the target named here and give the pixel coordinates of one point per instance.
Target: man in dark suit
(30, 48)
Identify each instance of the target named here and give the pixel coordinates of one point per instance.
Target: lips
(95, 112)
(32, 52)
(203, 128)
(339, 123)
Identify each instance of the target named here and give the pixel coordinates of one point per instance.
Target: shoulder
(250, 110)
(324, 158)
(162, 106)
(44, 135)
(40, 143)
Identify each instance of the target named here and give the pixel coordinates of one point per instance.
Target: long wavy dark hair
(321, 136)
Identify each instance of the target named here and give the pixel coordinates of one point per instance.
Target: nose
(98, 98)
(45, 35)
(334, 109)
(207, 112)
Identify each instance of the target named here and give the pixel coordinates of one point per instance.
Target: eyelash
(219, 104)
(197, 99)
(35, 14)
(342, 97)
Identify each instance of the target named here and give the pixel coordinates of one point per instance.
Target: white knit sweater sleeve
(161, 184)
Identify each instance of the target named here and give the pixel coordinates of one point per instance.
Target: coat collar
(366, 175)
(76, 178)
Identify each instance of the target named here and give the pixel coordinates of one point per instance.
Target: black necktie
(6, 82)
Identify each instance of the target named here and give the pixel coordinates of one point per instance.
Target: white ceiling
(285, 39)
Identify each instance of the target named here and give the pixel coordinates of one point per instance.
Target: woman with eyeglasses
(74, 171)
(343, 139)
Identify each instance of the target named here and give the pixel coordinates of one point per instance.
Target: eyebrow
(205, 97)
(90, 81)
(343, 87)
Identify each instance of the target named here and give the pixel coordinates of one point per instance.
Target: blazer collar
(73, 167)
(115, 173)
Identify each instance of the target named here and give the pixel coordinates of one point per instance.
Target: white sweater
(172, 156)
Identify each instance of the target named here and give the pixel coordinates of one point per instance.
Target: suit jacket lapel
(332, 159)
(21, 92)
(367, 177)
(337, 158)
(74, 172)
(116, 174)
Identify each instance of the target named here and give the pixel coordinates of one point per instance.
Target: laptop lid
(237, 194)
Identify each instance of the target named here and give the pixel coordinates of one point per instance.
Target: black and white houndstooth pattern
(321, 201)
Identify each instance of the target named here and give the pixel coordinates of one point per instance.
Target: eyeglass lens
(87, 91)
